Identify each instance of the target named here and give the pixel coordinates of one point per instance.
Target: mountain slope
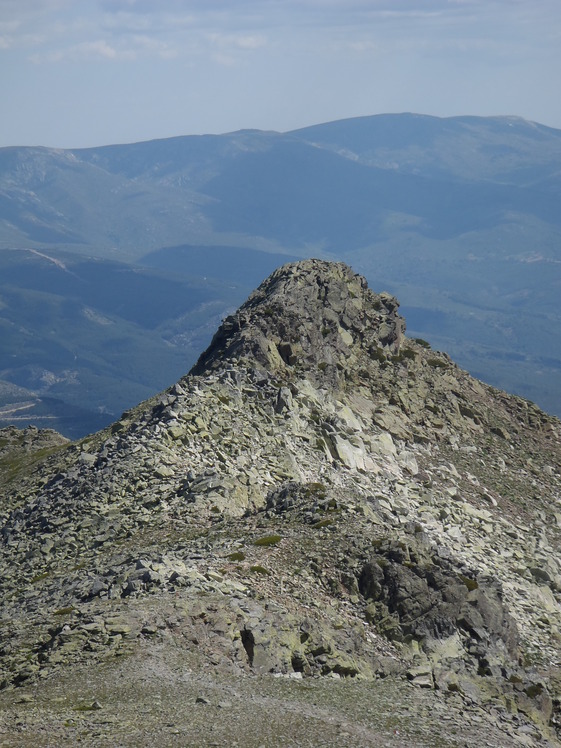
(506, 150)
(320, 498)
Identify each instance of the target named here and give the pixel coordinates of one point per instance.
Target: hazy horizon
(122, 71)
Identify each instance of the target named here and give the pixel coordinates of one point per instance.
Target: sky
(81, 73)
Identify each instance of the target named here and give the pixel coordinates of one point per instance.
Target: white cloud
(238, 41)
(133, 48)
(147, 44)
(52, 26)
(97, 48)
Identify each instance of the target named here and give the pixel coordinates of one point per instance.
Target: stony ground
(157, 697)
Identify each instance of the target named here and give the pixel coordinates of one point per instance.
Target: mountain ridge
(321, 498)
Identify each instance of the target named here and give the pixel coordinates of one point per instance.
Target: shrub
(405, 353)
(437, 363)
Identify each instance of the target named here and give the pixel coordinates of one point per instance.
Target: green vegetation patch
(268, 540)
(40, 577)
(323, 523)
(88, 707)
(437, 363)
(404, 354)
(377, 354)
(315, 490)
(64, 611)
(470, 583)
(258, 569)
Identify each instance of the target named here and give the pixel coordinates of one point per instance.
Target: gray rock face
(312, 316)
(320, 497)
(422, 596)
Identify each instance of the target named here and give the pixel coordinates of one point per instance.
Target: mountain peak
(311, 315)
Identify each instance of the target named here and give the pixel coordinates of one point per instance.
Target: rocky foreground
(327, 533)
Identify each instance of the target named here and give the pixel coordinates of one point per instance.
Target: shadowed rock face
(320, 496)
(304, 316)
(427, 598)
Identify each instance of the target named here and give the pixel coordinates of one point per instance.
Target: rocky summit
(325, 534)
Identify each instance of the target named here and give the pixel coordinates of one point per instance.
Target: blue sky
(77, 73)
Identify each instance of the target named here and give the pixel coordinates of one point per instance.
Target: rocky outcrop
(320, 497)
(430, 601)
(14, 441)
(304, 319)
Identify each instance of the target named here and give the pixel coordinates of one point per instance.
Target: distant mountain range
(117, 262)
